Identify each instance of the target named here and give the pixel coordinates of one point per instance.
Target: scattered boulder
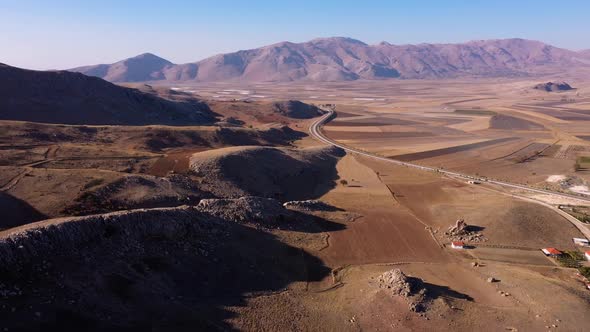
(492, 280)
(553, 86)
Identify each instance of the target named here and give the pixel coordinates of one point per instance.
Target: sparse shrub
(343, 182)
(574, 254)
(585, 271)
(570, 259)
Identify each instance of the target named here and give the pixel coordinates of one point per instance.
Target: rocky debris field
(463, 232)
(262, 210)
(310, 205)
(410, 288)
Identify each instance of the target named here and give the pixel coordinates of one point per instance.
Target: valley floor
(321, 274)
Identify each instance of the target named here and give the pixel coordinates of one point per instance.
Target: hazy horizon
(71, 34)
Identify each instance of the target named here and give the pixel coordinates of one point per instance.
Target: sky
(61, 34)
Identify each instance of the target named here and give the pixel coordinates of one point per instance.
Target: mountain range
(345, 59)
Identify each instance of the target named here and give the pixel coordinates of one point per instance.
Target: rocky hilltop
(296, 109)
(281, 173)
(114, 271)
(553, 86)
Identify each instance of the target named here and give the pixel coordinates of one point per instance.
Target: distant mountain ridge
(144, 67)
(346, 59)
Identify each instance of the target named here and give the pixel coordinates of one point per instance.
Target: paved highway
(316, 131)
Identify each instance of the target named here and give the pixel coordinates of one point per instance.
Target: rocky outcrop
(553, 86)
(463, 232)
(412, 289)
(310, 205)
(260, 210)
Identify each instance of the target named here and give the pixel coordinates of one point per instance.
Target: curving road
(315, 130)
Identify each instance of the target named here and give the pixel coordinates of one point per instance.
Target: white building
(457, 245)
(581, 242)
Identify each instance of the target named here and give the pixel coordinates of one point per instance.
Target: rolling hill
(345, 59)
(72, 98)
(144, 67)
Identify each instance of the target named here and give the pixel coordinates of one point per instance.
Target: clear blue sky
(47, 34)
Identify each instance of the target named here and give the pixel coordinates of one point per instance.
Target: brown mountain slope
(144, 67)
(73, 98)
(280, 173)
(343, 59)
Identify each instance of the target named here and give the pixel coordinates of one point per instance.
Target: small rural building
(581, 242)
(551, 252)
(587, 255)
(457, 245)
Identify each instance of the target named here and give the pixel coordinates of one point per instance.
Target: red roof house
(457, 245)
(551, 252)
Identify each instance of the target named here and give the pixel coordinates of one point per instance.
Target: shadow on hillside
(281, 174)
(158, 275)
(474, 228)
(438, 291)
(16, 212)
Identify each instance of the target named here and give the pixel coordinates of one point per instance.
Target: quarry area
(241, 218)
